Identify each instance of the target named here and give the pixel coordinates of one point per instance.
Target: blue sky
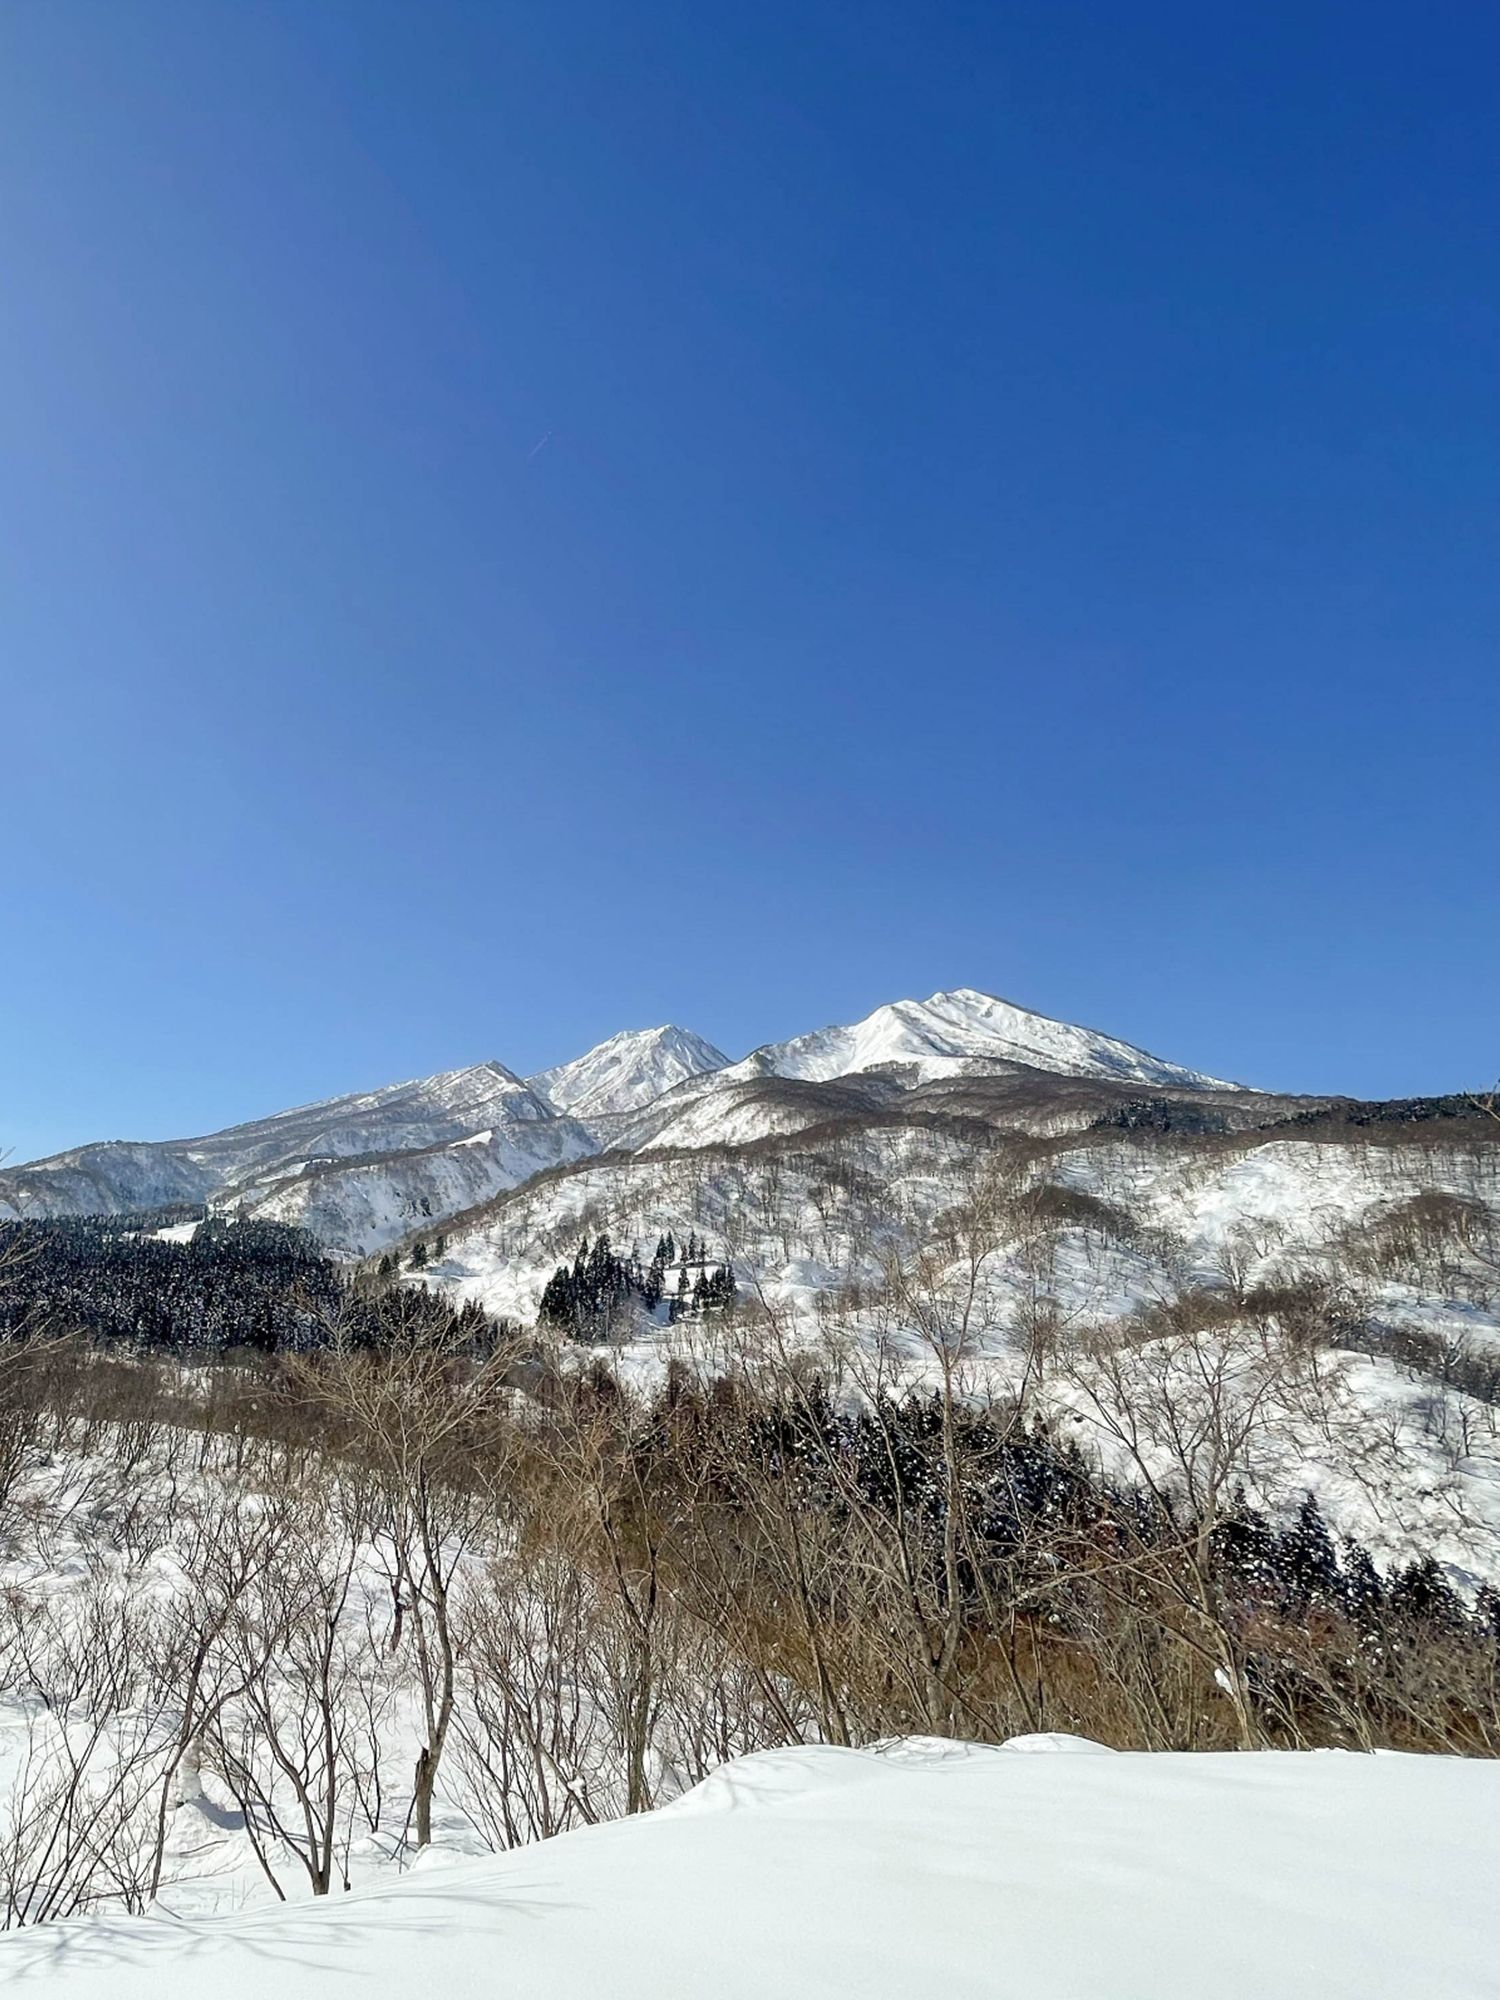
(522, 521)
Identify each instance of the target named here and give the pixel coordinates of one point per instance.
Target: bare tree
(1186, 1414)
(411, 1412)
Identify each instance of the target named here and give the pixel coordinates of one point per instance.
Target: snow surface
(924, 1869)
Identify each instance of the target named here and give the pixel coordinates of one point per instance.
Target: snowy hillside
(931, 1870)
(1163, 1214)
(114, 1178)
(1394, 1241)
(358, 1206)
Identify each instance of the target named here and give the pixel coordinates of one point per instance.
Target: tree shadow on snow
(324, 1935)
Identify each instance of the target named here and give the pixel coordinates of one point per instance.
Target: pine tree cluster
(601, 1296)
(233, 1284)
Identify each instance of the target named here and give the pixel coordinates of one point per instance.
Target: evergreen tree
(593, 1297)
(1364, 1593)
(653, 1284)
(557, 1306)
(1306, 1563)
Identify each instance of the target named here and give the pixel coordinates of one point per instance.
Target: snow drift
(926, 1870)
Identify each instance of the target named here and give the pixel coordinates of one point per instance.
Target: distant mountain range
(364, 1170)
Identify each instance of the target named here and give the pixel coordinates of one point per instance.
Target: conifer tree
(654, 1284)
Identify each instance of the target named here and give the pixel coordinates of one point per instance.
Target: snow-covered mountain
(240, 1168)
(953, 1033)
(627, 1072)
(892, 1053)
(365, 1169)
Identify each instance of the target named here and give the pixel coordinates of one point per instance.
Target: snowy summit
(627, 1072)
(953, 1032)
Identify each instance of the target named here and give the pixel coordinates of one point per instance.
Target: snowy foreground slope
(931, 1870)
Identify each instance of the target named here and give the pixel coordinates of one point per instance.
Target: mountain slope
(364, 1169)
(357, 1207)
(117, 1177)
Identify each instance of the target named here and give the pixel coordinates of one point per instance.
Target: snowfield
(928, 1870)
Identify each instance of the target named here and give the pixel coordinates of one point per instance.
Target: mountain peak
(639, 1038)
(626, 1072)
(951, 1032)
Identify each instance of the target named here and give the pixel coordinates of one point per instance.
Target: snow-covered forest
(279, 1616)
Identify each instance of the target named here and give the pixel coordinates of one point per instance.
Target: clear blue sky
(1018, 508)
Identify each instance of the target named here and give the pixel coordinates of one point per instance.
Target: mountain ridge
(367, 1166)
